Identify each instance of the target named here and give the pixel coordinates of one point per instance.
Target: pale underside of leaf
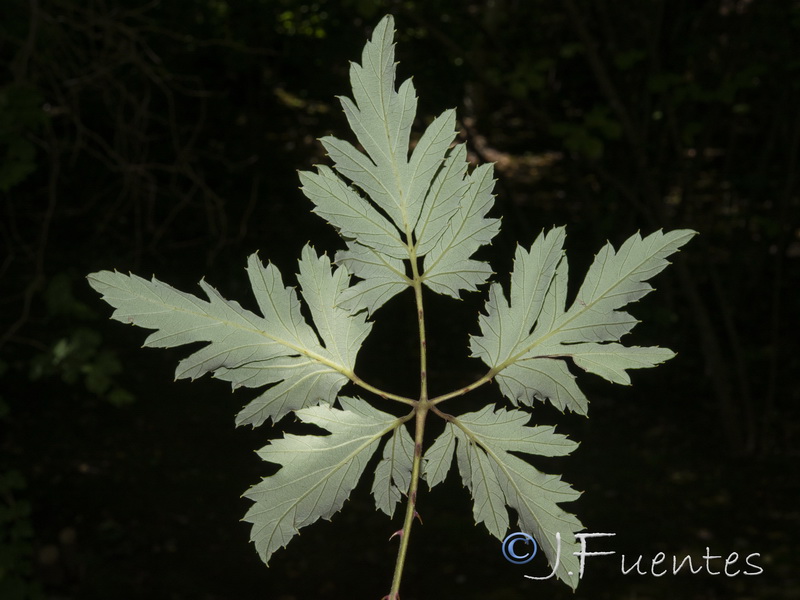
(381, 119)
(245, 348)
(422, 205)
(528, 340)
(352, 215)
(489, 505)
(438, 457)
(509, 428)
(393, 473)
(300, 383)
(614, 280)
(342, 332)
(535, 497)
(497, 479)
(382, 278)
(542, 379)
(443, 200)
(529, 289)
(317, 473)
(447, 267)
(610, 360)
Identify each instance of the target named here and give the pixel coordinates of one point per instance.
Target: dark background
(164, 138)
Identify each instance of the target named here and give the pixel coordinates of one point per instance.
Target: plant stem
(423, 342)
(411, 506)
(422, 407)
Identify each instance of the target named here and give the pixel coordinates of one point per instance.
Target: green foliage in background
(16, 531)
(21, 115)
(77, 355)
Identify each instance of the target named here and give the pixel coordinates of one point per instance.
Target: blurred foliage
(78, 354)
(16, 531)
(21, 117)
(16, 539)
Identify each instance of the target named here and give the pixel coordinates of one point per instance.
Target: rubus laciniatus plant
(409, 219)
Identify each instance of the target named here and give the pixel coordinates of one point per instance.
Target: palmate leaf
(245, 348)
(482, 442)
(408, 218)
(317, 472)
(398, 207)
(527, 340)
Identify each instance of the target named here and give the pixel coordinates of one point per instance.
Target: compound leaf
(497, 479)
(400, 211)
(245, 348)
(317, 472)
(526, 341)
